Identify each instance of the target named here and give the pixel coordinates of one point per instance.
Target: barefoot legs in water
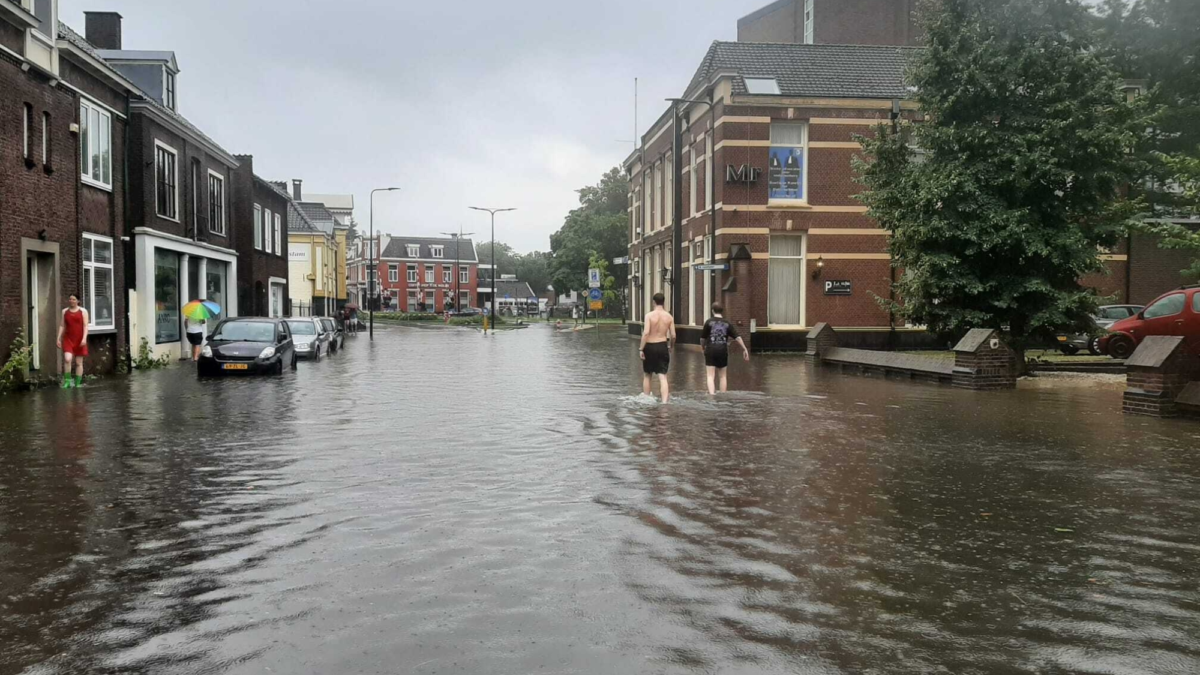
(712, 376)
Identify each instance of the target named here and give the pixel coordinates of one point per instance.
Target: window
(808, 22)
(464, 299)
(447, 274)
(691, 208)
(669, 196)
(696, 249)
(708, 172)
(169, 89)
(216, 203)
(393, 272)
(46, 139)
(278, 234)
(761, 85)
(26, 128)
(414, 251)
(431, 301)
(266, 232)
(412, 274)
(785, 281)
(258, 226)
(646, 199)
(98, 280)
(656, 208)
(95, 145)
(1196, 303)
(435, 251)
(429, 274)
(412, 301)
(464, 275)
(1168, 306)
(166, 296)
(166, 184)
(786, 180)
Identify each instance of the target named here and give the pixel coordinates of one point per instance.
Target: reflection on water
(441, 502)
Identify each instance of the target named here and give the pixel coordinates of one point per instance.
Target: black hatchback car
(247, 346)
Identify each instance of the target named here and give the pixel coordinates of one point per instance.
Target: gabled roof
(833, 71)
(300, 224)
(272, 185)
(77, 41)
(318, 215)
(397, 248)
(517, 290)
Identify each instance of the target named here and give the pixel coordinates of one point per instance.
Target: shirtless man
(657, 335)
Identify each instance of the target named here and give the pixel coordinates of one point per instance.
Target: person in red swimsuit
(72, 339)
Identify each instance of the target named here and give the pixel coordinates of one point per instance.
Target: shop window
(786, 176)
(98, 280)
(166, 296)
(785, 281)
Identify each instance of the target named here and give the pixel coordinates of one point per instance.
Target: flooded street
(437, 502)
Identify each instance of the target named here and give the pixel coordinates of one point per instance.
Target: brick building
(418, 273)
(262, 281)
(63, 124)
(831, 22)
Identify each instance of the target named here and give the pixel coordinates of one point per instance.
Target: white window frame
(803, 257)
(26, 121)
(393, 273)
(693, 185)
(429, 274)
(224, 201)
(411, 273)
(464, 274)
(437, 251)
(89, 268)
(447, 274)
(808, 22)
(175, 153)
(46, 138)
(258, 227)
(266, 233)
(169, 82)
(278, 234)
(413, 251)
(804, 144)
(708, 172)
(86, 107)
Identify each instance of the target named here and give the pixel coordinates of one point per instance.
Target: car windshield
(302, 327)
(245, 331)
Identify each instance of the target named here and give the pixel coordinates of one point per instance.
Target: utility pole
(493, 212)
(457, 237)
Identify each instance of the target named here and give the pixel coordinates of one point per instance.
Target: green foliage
(1024, 153)
(409, 316)
(12, 372)
(1185, 173)
(608, 284)
(534, 269)
(506, 257)
(146, 360)
(598, 228)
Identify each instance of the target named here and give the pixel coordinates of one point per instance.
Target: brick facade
(864, 22)
(256, 267)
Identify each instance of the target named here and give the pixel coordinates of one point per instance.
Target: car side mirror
(1141, 315)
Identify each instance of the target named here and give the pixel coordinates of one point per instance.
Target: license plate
(1062, 338)
(235, 366)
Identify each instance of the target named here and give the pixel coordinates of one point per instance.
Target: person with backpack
(714, 340)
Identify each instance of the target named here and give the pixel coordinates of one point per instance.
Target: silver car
(1105, 317)
(310, 338)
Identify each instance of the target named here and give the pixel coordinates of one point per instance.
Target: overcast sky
(458, 103)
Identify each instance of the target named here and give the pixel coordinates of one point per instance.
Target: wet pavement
(438, 502)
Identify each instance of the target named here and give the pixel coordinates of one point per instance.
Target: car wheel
(1069, 351)
(1120, 347)
(294, 360)
(1094, 346)
(317, 353)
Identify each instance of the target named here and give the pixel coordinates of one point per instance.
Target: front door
(41, 311)
(33, 318)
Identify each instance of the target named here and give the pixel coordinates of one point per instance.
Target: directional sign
(621, 261)
(720, 267)
(596, 305)
(594, 295)
(593, 278)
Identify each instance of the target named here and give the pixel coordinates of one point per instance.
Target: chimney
(296, 192)
(103, 29)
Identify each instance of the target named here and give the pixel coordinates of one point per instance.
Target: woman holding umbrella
(197, 313)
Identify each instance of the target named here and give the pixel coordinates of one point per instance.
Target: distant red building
(424, 274)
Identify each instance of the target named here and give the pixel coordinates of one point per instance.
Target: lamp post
(493, 212)
(677, 289)
(374, 255)
(457, 274)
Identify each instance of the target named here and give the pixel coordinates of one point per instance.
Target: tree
(506, 258)
(598, 227)
(534, 268)
(1024, 154)
(1184, 172)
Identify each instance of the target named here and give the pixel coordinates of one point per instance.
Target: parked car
(1105, 317)
(1173, 313)
(247, 345)
(337, 336)
(310, 337)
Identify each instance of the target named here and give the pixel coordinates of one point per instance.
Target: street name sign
(621, 261)
(717, 267)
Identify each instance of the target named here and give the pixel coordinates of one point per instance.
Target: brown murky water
(438, 503)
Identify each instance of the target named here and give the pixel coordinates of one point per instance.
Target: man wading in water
(715, 339)
(657, 335)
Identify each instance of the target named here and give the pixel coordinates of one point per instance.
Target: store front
(170, 272)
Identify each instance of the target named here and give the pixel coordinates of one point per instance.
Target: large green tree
(506, 257)
(599, 226)
(534, 268)
(1015, 191)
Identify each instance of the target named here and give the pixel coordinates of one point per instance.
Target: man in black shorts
(714, 340)
(655, 351)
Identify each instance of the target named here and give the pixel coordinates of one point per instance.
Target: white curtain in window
(785, 281)
(787, 134)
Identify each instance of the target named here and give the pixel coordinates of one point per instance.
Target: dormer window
(414, 251)
(762, 85)
(169, 89)
(436, 251)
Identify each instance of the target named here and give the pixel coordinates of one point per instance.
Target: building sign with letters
(833, 287)
(745, 174)
(299, 255)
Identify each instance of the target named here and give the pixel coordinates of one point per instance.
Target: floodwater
(440, 502)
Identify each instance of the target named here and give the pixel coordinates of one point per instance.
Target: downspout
(126, 239)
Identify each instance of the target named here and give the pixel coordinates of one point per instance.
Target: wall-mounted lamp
(43, 235)
(637, 281)
(816, 274)
(666, 275)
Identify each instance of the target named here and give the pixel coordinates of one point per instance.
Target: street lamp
(493, 212)
(374, 255)
(677, 289)
(457, 275)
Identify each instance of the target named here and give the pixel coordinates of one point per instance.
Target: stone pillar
(982, 361)
(1157, 375)
(820, 340)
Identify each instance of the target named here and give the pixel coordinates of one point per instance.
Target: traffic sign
(720, 267)
(624, 260)
(594, 295)
(593, 278)
(596, 305)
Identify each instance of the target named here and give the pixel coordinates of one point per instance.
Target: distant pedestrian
(195, 336)
(72, 340)
(658, 332)
(714, 340)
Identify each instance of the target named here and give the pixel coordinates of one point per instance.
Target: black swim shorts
(658, 359)
(717, 357)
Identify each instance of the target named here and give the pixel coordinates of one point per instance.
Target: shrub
(12, 373)
(145, 358)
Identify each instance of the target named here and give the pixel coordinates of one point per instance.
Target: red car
(1174, 313)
